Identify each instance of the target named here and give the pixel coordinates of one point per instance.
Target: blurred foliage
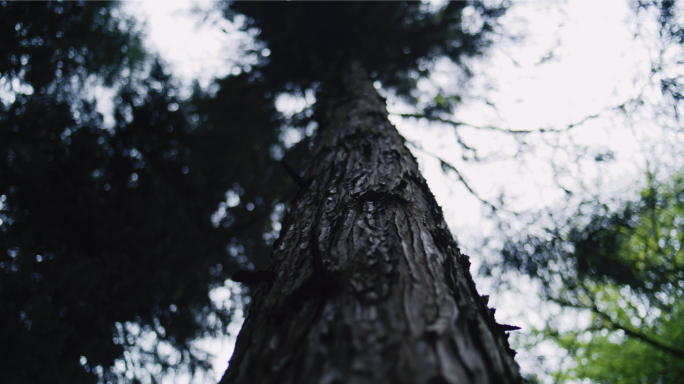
(114, 229)
(666, 63)
(396, 42)
(627, 268)
(620, 262)
(114, 234)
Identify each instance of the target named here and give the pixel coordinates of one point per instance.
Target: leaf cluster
(627, 268)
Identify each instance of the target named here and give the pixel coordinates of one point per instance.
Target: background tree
(614, 258)
(114, 233)
(627, 268)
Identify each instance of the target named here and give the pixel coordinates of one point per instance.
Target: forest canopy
(116, 228)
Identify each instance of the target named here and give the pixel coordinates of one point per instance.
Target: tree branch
(492, 128)
(633, 333)
(460, 123)
(638, 335)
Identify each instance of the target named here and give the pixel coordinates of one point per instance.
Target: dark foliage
(104, 226)
(390, 39)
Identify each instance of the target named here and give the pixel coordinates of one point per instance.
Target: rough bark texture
(371, 286)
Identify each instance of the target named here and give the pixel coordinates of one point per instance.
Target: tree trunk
(371, 286)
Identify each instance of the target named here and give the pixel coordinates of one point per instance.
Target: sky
(558, 62)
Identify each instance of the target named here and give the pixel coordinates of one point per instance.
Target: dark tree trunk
(371, 286)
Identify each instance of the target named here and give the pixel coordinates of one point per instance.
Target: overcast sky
(576, 59)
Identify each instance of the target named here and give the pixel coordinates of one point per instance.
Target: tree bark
(371, 286)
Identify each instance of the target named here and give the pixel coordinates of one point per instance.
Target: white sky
(194, 50)
(592, 63)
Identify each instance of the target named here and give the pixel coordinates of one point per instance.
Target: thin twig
(492, 128)
(459, 123)
(446, 164)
